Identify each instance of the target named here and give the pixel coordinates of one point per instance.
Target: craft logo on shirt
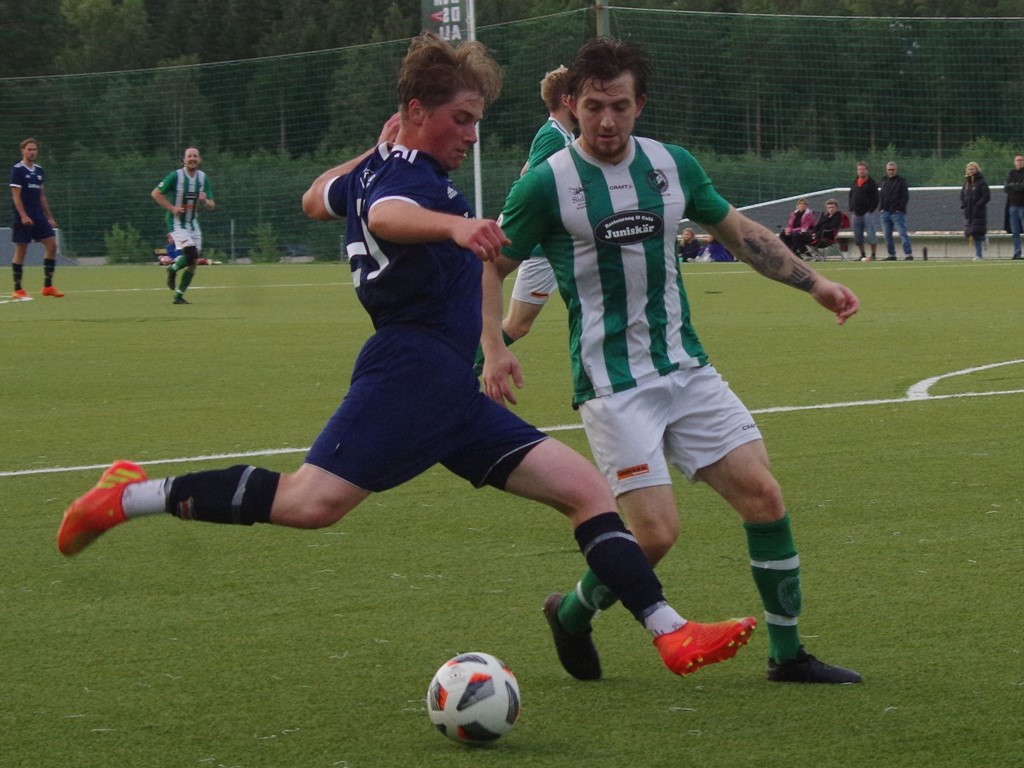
(629, 227)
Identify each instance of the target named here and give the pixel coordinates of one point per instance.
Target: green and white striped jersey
(181, 189)
(549, 138)
(609, 232)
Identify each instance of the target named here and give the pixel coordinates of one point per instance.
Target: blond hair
(553, 87)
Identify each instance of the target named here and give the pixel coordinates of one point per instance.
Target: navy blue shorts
(413, 403)
(38, 230)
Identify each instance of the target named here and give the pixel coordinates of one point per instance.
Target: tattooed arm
(756, 245)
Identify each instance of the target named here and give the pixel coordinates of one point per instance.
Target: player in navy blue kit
(31, 220)
(417, 258)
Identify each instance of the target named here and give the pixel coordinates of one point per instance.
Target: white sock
(146, 498)
(663, 619)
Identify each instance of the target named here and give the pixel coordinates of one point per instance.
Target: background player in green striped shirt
(180, 193)
(535, 280)
(605, 210)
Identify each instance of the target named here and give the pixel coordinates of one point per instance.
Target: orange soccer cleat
(20, 295)
(694, 645)
(98, 510)
(49, 290)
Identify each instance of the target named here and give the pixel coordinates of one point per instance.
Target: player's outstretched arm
(756, 245)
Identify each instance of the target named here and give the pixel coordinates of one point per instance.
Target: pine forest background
(773, 105)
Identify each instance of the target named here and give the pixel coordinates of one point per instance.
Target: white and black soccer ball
(473, 698)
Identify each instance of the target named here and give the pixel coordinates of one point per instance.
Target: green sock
(180, 262)
(575, 612)
(775, 566)
(186, 279)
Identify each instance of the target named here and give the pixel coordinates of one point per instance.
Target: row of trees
(772, 105)
(44, 37)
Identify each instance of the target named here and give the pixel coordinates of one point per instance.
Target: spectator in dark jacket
(863, 207)
(1014, 189)
(974, 197)
(893, 198)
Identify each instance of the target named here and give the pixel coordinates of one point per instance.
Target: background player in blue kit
(416, 255)
(31, 220)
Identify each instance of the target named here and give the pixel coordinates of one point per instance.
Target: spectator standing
(689, 246)
(797, 232)
(863, 208)
(31, 220)
(974, 197)
(892, 199)
(1014, 189)
(180, 193)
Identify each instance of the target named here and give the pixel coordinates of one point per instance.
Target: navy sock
(239, 495)
(617, 560)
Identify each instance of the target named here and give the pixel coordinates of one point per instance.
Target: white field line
(916, 393)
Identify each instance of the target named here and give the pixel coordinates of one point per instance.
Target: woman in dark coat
(974, 197)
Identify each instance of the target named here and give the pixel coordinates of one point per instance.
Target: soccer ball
(473, 698)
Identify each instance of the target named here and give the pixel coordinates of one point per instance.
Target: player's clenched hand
(837, 298)
(482, 236)
(501, 366)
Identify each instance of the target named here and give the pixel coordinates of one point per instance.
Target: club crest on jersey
(657, 180)
(629, 227)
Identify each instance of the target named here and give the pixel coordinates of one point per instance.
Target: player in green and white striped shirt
(535, 280)
(605, 211)
(180, 193)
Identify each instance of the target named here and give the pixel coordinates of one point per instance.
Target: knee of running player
(656, 535)
(760, 500)
(191, 257)
(310, 498)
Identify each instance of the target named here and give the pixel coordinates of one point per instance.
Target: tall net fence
(772, 105)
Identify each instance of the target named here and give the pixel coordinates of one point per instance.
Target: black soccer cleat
(171, 278)
(577, 653)
(179, 299)
(804, 668)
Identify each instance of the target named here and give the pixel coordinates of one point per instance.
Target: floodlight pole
(478, 182)
(601, 18)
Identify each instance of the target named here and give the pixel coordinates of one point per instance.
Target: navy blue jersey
(414, 400)
(30, 182)
(434, 287)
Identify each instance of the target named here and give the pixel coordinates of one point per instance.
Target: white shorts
(535, 281)
(689, 418)
(186, 237)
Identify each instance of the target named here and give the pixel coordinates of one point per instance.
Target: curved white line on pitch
(920, 390)
(917, 392)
